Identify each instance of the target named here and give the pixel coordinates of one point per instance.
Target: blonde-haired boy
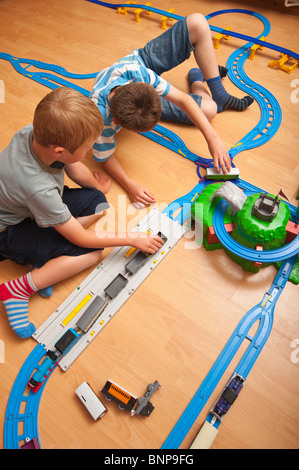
(42, 222)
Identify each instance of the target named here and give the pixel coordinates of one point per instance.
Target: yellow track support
(123, 10)
(165, 18)
(219, 36)
(140, 10)
(255, 47)
(280, 63)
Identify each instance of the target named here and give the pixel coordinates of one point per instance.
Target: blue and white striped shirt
(129, 69)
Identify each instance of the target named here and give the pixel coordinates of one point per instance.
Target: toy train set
(260, 230)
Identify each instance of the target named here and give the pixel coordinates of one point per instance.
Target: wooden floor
(178, 321)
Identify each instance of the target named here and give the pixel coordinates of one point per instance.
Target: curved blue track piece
(18, 399)
(262, 312)
(270, 110)
(264, 20)
(183, 204)
(172, 141)
(270, 119)
(267, 256)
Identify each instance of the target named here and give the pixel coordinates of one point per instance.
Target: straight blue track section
(18, 398)
(262, 312)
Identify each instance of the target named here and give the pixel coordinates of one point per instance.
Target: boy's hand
(146, 242)
(139, 194)
(220, 155)
(102, 183)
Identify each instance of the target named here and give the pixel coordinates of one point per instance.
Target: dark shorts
(165, 52)
(27, 243)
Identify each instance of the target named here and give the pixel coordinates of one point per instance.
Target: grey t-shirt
(28, 187)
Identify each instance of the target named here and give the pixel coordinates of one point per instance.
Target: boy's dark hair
(136, 106)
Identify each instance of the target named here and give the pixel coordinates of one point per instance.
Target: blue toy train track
(270, 119)
(243, 37)
(50, 80)
(263, 313)
(22, 407)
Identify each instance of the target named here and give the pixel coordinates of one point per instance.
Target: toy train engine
(62, 346)
(228, 396)
(43, 371)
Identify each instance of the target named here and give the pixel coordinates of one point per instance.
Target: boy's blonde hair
(66, 118)
(136, 106)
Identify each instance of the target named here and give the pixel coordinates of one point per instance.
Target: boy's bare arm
(216, 147)
(136, 191)
(81, 175)
(74, 232)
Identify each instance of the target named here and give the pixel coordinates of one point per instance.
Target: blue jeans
(164, 53)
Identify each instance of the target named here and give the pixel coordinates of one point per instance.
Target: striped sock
(15, 296)
(223, 99)
(196, 74)
(46, 291)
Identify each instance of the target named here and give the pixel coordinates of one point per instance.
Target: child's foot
(238, 104)
(222, 71)
(102, 183)
(15, 296)
(224, 100)
(46, 291)
(196, 74)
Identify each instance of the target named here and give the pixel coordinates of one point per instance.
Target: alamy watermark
(295, 354)
(295, 93)
(2, 91)
(119, 219)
